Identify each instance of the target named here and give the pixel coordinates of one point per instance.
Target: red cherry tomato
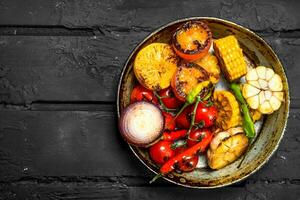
(183, 120)
(139, 93)
(168, 98)
(206, 114)
(169, 121)
(161, 151)
(189, 163)
(196, 135)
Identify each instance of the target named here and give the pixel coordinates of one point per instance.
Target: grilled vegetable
(155, 65)
(248, 124)
(231, 57)
(174, 135)
(192, 40)
(187, 164)
(141, 123)
(188, 153)
(139, 93)
(168, 98)
(210, 64)
(196, 135)
(169, 121)
(186, 78)
(226, 147)
(263, 90)
(205, 114)
(161, 151)
(228, 110)
(255, 115)
(194, 95)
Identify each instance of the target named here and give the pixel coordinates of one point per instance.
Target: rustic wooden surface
(59, 66)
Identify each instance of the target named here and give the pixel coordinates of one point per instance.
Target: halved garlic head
(263, 90)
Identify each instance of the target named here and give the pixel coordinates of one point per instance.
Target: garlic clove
(254, 83)
(268, 95)
(252, 75)
(275, 83)
(261, 97)
(278, 95)
(275, 103)
(263, 84)
(269, 74)
(249, 91)
(261, 72)
(265, 108)
(253, 102)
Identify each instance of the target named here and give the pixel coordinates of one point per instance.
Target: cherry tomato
(169, 121)
(183, 120)
(196, 135)
(192, 40)
(161, 151)
(168, 98)
(189, 163)
(205, 114)
(139, 93)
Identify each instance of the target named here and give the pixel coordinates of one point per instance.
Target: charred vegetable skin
(192, 40)
(186, 78)
(211, 64)
(190, 152)
(154, 66)
(229, 114)
(226, 147)
(189, 163)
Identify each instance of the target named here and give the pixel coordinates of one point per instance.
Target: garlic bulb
(263, 90)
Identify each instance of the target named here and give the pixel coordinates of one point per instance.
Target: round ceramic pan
(260, 53)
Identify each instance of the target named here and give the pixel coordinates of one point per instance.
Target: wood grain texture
(59, 65)
(61, 68)
(107, 190)
(79, 144)
(255, 14)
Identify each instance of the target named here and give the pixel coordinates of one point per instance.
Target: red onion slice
(141, 123)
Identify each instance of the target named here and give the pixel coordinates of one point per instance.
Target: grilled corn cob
(229, 114)
(231, 57)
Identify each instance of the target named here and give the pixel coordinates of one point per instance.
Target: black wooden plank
(63, 143)
(109, 190)
(255, 14)
(77, 145)
(59, 68)
(63, 68)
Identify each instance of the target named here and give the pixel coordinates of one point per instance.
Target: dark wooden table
(59, 67)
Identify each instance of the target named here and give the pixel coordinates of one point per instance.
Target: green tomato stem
(162, 103)
(157, 176)
(198, 99)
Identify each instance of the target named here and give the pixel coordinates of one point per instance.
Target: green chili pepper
(191, 97)
(248, 124)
